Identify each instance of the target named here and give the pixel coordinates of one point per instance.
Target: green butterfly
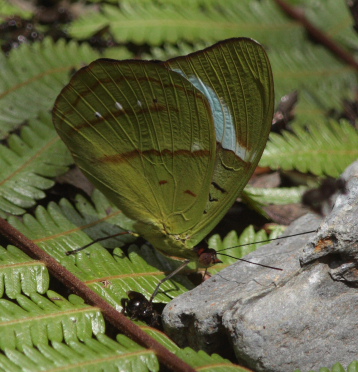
(172, 144)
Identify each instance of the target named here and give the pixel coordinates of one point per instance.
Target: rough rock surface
(302, 317)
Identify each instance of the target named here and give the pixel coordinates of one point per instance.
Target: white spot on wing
(119, 106)
(139, 103)
(98, 115)
(196, 146)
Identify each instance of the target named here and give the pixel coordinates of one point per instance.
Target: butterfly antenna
(75, 251)
(254, 263)
(267, 240)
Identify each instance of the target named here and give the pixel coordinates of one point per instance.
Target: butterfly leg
(181, 267)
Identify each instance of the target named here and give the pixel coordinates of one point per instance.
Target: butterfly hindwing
(235, 75)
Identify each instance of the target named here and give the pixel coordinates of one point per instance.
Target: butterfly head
(206, 256)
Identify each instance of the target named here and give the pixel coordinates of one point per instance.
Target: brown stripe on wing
(116, 114)
(119, 158)
(189, 192)
(236, 159)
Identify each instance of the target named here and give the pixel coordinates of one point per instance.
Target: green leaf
(337, 26)
(111, 274)
(238, 246)
(338, 368)
(322, 81)
(29, 162)
(180, 48)
(309, 68)
(326, 148)
(272, 195)
(90, 354)
(202, 361)
(35, 320)
(50, 332)
(20, 274)
(155, 22)
(32, 76)
(353, 367)
(10, 8)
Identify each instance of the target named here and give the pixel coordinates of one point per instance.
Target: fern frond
(118, 52)
(232, 244)
(202, 361)
(297, 64)
(321, 80)
(8, 8)
(50, 332)
(258, 198)
(97, 218)
(37, 319)
(337, 26)
(21, 274)
(181, 48)
(197, 359)
(326, 148)
(28, 163)
(272, 195)
(353, 367)
(155, 22)
(111, 274)
(33, 75)
(90, 354)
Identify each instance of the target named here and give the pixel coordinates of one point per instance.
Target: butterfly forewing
(144, 135)
(235, 75)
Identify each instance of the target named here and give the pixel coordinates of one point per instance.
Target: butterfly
(172, 144)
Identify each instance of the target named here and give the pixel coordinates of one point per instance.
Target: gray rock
(302, 317)
(337, 239)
